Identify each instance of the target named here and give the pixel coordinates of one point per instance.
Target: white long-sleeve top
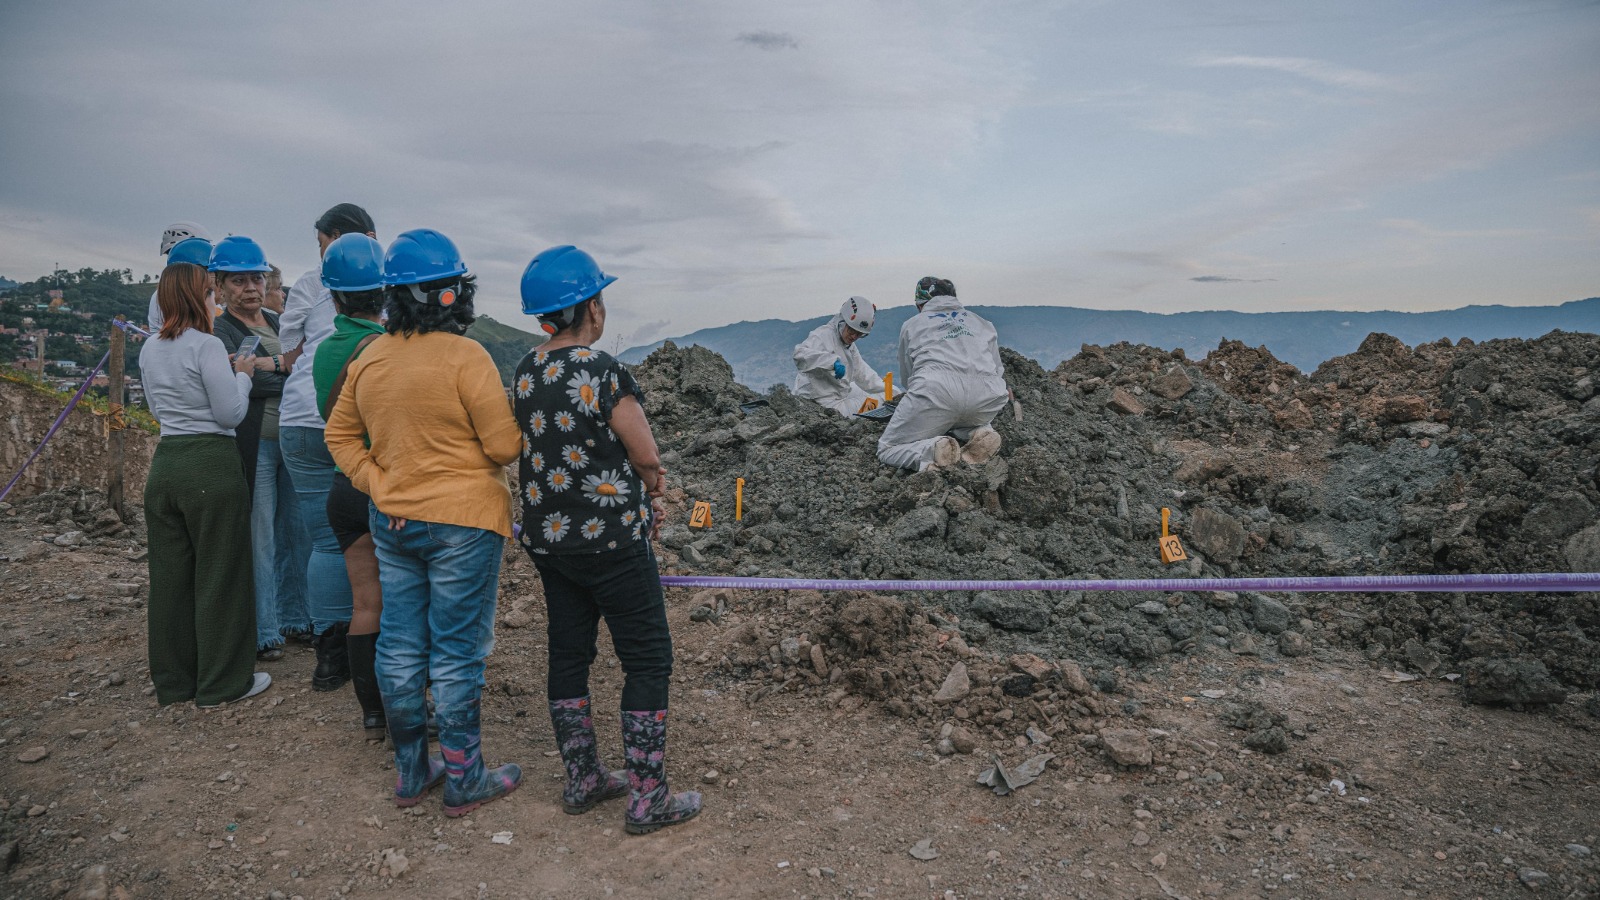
(813, 361)
(153, 315)
(945, 335)
(307, 319)
(190, 384)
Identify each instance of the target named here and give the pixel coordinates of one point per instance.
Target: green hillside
(90, 300)
(506, 344)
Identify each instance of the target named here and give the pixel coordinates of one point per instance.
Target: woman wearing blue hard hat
(431, 405)
(197, 505)
(239, 267)
(352, 270)
(591, 479)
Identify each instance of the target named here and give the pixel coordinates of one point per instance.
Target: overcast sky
(735, 160)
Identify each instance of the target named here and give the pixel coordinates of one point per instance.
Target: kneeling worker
(831, 370)
(955, 385)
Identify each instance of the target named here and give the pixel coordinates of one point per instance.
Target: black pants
(624, 587)
(347, 512)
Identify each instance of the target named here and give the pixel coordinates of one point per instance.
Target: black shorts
(347, 512)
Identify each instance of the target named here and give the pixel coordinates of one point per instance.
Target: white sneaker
(258, 683)
(982, 447)
(945, 453)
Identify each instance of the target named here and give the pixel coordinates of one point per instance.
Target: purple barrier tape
(1548, 581)
(125, 325)
(55, 427)
(1363, 584)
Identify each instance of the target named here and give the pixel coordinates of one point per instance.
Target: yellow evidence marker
(868, 405)
(738, 500)
(888, 386)
(700, 516)
(1171, 548)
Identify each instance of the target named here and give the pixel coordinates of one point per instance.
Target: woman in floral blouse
(591, 479)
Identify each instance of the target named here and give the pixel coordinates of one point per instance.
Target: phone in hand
(248, 346)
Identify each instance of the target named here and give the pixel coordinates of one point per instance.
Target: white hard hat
(181, 231)
(858, 313)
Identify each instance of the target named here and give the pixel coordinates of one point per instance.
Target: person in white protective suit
(954, 385)
(831, 370)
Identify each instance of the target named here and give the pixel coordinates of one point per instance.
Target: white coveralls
(814, 359)
(955, 383)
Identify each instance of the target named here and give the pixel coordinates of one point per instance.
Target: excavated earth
(1189, 744)
(1442, 459)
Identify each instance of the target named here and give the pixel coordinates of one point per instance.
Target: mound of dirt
(1444, 458)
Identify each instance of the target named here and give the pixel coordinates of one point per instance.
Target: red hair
(181, 294)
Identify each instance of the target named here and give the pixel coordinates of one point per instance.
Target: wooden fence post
(114, 395)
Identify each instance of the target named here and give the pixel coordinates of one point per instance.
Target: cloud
(1412, 226)
(768, 40)
(1226, 279)
(643, 135)
(1311, 69)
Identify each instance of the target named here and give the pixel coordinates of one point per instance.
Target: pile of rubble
(1442, 458)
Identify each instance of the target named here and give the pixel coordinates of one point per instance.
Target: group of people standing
(402, 503)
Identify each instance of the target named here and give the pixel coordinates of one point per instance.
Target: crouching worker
(830, 368)
(954, 385)
(591, 481)
(430, 402)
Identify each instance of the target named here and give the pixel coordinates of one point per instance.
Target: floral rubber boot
(650, 805)
(415, 771)
(468, 784)
(588, 782)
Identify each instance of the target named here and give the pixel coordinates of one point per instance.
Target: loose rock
(956, 685)
(1500, 682)
(1127, 747)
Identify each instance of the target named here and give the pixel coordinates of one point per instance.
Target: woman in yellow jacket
(440, 429)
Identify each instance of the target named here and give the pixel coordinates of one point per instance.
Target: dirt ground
(807, 793)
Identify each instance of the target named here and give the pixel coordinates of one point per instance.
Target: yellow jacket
(440, 428)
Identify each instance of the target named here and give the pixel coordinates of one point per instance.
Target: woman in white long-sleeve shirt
(197, 506)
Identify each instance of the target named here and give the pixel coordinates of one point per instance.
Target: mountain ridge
(760, 351)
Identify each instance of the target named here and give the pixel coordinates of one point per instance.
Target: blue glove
(838, 368)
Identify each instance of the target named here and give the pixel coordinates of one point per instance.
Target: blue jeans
(277, 546)
(327, 582)
(440, 584)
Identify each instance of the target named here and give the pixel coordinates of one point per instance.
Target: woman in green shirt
(352, 272)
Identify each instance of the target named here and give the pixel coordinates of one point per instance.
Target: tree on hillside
(108, 292)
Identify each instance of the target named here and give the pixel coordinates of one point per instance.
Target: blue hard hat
(191, 250)
(421, 255)
(237, 253)
(560, 277)
(353, 262)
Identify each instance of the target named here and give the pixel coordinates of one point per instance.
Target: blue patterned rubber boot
(415, 771)
(588, 782)
(650, 805)
(468, 785)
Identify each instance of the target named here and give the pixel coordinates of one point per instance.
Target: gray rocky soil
(1439, 459)
(1190, 744)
